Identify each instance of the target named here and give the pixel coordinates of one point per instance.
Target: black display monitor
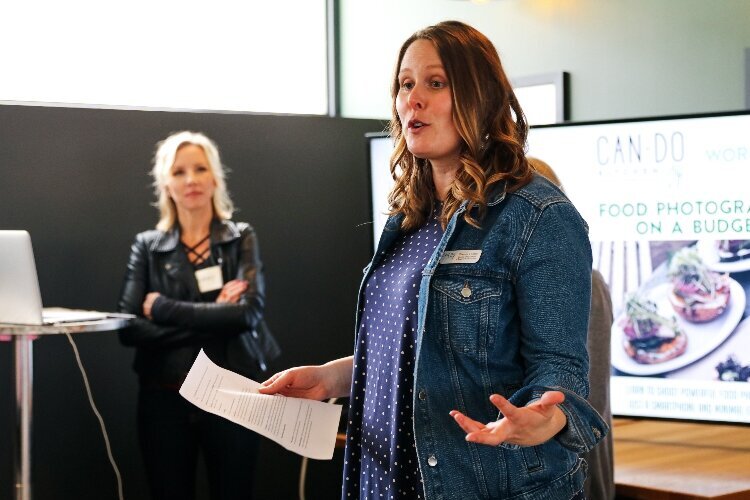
(667, 201)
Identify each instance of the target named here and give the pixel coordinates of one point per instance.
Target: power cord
(98, 416)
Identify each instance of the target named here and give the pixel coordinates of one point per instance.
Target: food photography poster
(667, 202)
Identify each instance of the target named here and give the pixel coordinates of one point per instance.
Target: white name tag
(209, 279)
(460, 257)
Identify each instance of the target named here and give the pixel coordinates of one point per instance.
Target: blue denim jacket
(514, 323)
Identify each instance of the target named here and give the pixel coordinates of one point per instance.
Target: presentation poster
(668, 206)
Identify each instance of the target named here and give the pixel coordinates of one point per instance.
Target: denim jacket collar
(496, 195)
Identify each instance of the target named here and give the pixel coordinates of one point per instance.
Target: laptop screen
(20, 299)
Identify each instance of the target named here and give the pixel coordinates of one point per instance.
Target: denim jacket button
(466, 291)
(422, 395)
(597, 433)
(432, 461)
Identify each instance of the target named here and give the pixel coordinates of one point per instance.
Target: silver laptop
(20, 299)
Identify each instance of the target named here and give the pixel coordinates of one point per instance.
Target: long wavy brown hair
(486, 115)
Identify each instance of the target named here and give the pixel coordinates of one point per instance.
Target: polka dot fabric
(380, 457)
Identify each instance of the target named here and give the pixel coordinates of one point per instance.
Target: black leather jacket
(183, 324)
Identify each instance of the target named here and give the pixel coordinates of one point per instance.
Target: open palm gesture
(525, 426)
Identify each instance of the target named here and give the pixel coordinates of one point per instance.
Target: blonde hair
(166, 151)
(488, 118)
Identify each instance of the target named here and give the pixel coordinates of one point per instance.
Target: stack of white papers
(303, 426)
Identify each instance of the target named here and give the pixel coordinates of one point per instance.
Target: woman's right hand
(330, 380)
(148, 304)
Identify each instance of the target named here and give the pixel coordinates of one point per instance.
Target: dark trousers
(172, 432)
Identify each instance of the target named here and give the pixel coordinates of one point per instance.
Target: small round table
(23, 336)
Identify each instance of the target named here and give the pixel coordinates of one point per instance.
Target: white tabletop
(110, 321)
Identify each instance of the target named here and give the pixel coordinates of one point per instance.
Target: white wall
(250, 55)
(627, 58)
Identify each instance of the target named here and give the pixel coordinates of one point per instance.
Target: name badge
(209, 279)
(461, 257)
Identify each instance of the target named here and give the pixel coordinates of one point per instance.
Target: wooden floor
(679, 460)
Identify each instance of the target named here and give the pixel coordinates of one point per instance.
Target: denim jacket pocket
(468, 310)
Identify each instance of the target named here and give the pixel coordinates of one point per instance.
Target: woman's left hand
(232, 291)
(525, 426)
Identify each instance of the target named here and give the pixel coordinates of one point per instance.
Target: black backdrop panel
(77, 180)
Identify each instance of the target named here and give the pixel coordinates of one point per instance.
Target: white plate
(737, 345)
(707, 250)
(702, 337)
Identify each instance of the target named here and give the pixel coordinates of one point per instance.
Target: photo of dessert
(649, 337)
(698, 294)
(684, 311)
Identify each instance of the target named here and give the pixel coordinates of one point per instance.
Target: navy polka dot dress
(380, 457)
